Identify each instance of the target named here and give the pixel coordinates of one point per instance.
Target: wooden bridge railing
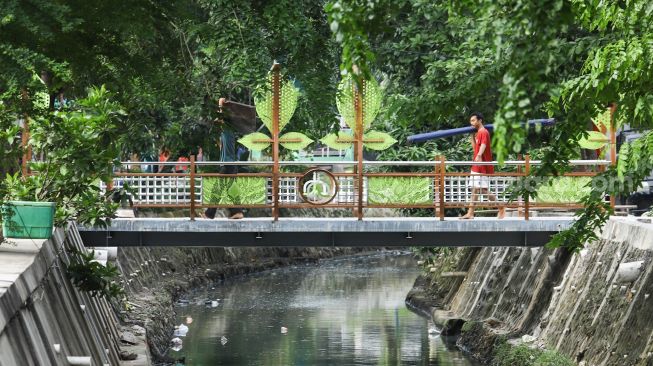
(439, 185)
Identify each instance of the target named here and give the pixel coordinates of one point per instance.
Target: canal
(347, 311)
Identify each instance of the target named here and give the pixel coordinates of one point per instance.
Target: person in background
(480, 182)
(227, 154)
(164, 155)
(182, 168)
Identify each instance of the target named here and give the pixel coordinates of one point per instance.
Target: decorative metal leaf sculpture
(371, 96)
(287, 103)
(400, 190)
(564, 190)
(376, 140)
(236, 190)
(341, 141)
(294, 141)
(594, 140)
(597, 140)
(602, 120)
(256, 141)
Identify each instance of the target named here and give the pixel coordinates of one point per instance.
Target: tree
(518, 58)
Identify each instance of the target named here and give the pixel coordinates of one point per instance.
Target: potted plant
(80, 146)
(23, 216)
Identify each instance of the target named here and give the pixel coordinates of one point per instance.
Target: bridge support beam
(325, 232)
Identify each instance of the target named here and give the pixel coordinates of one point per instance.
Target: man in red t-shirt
(480, 182)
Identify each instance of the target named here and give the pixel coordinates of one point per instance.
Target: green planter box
(27, 220)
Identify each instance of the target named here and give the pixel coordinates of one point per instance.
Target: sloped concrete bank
(155, 278)
(44, 319)
(594, 307)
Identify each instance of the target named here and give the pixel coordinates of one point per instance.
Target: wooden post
(358, 103)
(192, 187)
(27, 149)
(443, 169)
(527, 170)
(519, 171)
(436, 187)
(276, 101)
(613, 145)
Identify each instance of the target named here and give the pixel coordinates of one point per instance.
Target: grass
(522, 355)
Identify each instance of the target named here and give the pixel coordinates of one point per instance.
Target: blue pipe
(463, 130)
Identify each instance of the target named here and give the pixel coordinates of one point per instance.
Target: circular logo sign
(318, 186)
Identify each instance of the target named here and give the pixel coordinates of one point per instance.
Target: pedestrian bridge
(441, 189)
(343, 232)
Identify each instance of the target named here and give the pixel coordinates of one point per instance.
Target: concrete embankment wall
(594, 307)
(44, 319)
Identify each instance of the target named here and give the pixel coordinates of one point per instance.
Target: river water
(346, 311)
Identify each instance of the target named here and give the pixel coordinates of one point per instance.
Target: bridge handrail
(365, 162)
(436, 189)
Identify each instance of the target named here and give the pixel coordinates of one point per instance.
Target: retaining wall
(44, 319)
(592, 306)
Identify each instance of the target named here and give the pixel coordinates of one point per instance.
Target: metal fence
(449, 184)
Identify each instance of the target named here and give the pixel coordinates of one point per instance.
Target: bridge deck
(326, 232)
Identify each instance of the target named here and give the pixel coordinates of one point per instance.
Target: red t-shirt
(483, 137)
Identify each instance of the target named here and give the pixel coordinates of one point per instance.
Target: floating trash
(212, 303)
(284, 330)
(189, 320)
(224, 340)
(181, 330)
(177, 348)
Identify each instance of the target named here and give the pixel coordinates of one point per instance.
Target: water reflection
(345, 312)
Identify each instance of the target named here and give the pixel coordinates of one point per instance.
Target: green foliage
(621, 180)
(508, 355)
(399, 190)
(352, 22)
(91, 276)
(81, 145)
(237, 190)
(564, 190)
(552, 358)
(470, 326)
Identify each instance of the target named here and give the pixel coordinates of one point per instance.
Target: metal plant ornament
(597, 139)
(370, 96)
(264, 102)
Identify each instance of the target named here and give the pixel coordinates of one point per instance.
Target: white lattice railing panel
(158, 190)
(287, 190)
(347, 187)
(458, 189)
